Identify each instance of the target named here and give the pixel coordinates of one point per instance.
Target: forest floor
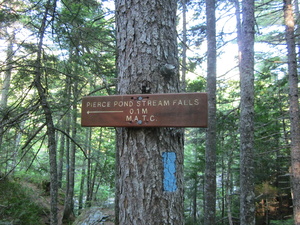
(43, 199)
(25, 202)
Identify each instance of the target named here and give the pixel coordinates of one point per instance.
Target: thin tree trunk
(247, 196)
(69, 202)
(294, 108)
(95, 173)
(223, 183)
(195, 192)
(6, 85)
(48, 115)
(82, 182)
(211, 146)
(68, 128)
(89, 174)
(184, 46)
(117, 184)
(148, 63)
(61, 157)
(7, 75)
(297, 29)
(228, 187)
(228, 200)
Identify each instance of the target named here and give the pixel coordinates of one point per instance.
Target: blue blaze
(169, 161)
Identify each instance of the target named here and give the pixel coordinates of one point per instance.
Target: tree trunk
(297, 30)
(148, 63)
(82, 182)
(89, 182)
(228, 190)
(195, 191)
(211, 144)
(294, 108)
(48, 116)
(184, 46)
(90, 187)
(6, 85)
(69, 201)
(68, 142)
(247, 196)
(7, 75)
(61, 156)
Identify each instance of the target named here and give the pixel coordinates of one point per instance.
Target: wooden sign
(145, 110)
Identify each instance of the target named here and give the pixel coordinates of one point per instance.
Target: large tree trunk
(211, 144)
(148, 63)
(294, 108)
(247, 197)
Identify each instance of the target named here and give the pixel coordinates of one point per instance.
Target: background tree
(247, 206)
(50, 7)
(211, 142)
(294, 107)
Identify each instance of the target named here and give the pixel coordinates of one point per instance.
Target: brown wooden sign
(152, 110)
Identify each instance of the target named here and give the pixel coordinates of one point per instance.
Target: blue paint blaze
(169, 161)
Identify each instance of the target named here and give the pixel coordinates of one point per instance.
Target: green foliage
(282, 222)
(17, 206)
(266, 190)
(32, 176)
(197, 85)
(270, 113)
(194, 172)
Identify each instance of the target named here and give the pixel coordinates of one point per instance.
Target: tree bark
(293, 108)
(247, 196)
(146, 42)
(211, 144)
